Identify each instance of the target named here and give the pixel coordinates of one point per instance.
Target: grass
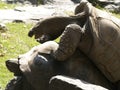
(6, 6)
(116, 15)
(12, 43)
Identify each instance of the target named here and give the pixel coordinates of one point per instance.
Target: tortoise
(34, 69)
(96, 33)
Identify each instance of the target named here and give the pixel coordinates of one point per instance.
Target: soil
(31, 14)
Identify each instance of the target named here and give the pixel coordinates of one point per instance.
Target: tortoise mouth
(43, 38)
(13, 66)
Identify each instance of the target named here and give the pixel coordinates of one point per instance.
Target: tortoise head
(13, 66)
(41, 31)
(50, 28)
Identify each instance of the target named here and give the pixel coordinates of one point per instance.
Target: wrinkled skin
(37, 68)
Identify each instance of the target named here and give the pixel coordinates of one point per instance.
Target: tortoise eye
(39, 60)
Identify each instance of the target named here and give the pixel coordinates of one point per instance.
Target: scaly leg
(69, 42)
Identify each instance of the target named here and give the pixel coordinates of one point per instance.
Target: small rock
(3, 27)
(18, 21)
(113, 8)
(5, 35)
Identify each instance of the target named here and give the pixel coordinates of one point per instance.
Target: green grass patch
(13, 43)
(116, 15)
(4, 5)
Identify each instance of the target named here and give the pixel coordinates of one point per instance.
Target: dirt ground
(29, 13)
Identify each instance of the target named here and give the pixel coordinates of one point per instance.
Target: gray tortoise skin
(95, 33)
(34, 69)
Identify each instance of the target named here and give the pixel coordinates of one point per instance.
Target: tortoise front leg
(69, 42)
